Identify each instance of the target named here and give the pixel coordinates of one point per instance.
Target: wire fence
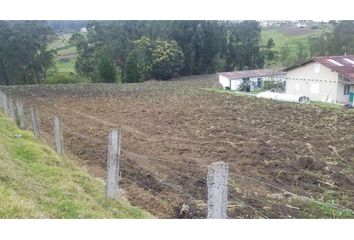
(136, 168)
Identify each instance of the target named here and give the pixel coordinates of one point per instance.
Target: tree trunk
(34, 75)
(38, 78)
(4, 72)
(25, 76)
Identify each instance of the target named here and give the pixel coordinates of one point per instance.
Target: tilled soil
(286, 160)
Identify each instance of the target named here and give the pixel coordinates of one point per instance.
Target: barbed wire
(73, 132)
(247, 205)
(174, 170)
(154, 193)
(175, 187)
(127, 128)
(172, 186)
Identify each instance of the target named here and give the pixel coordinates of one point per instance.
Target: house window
(346, 89)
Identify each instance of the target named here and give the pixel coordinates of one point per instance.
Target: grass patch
(253, 94)
(65, 78)
(65, 66)
(37, 183)
(237, 93)
(326, 105)
(64, 50)
(327, 210)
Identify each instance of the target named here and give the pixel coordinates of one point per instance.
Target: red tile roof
(344, 65)
(251, 73)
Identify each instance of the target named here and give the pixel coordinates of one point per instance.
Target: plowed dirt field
(286, 160)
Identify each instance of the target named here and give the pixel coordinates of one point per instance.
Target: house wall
(313, 80)
(224, 81)
(340, 92)
(235, 83)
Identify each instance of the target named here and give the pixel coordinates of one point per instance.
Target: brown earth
(286, 160)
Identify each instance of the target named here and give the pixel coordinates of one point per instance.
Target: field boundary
(121, 172)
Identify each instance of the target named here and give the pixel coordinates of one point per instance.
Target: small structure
(301, 25)
(250, 80)
(328, 79)
(83, 30)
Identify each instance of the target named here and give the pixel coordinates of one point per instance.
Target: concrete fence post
(11, 109)
(114, 147)
(20, 115)
(4, 103)
(35, 122)
(217, 190)
(2, 96)
(58, 135)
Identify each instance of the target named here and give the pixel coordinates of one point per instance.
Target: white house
(301, 25)
(251, 79)
(83, 30)
(328, 79)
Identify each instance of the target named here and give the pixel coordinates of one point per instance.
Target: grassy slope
(282, 37)
(64, 49)
(37, 183)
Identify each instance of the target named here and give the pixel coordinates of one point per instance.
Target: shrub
(132, 71)
(64, 78)
(268, 85)
(107, 70)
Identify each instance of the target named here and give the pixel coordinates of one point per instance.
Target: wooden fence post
(35, 122)
(58, 135)
(11, 109)
(114, 145)
(20, 115)
(217, 190)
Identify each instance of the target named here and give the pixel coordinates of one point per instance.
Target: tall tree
(207, 46)
(338, 42)
(24, 54)
(106, 69)
(167, 60)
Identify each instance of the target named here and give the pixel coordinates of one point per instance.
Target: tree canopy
(338, 42)
(24, 54)
(163, 49)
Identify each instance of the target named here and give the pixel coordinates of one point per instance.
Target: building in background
(327, 79)
(250, 80)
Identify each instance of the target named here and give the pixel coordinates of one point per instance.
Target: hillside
(292, 37)
(37, 183)
(66, 53)
(63, 70)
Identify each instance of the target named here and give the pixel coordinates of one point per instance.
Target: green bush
(133, 72)
(268, 85)
(107, 70)
(65, 78)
